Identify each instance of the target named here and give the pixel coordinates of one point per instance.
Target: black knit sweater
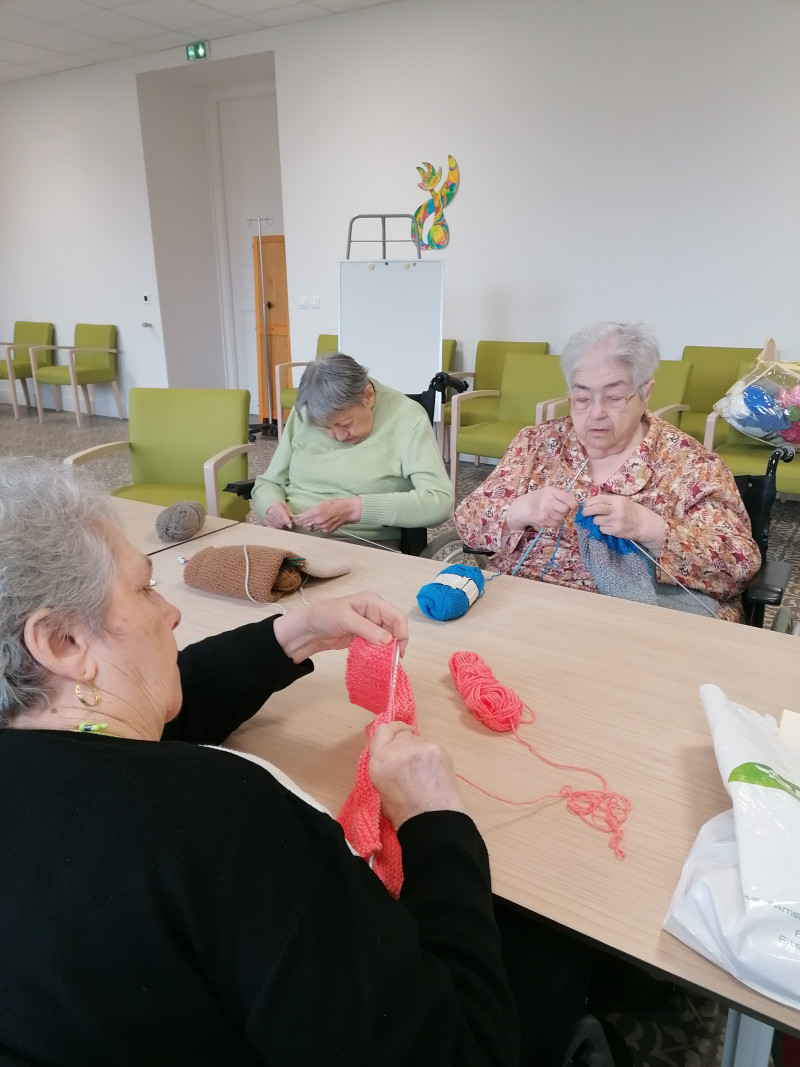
(169, 904)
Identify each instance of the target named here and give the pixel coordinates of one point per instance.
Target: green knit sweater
(397, 470)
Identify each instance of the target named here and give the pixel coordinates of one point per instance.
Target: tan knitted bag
(254, 572)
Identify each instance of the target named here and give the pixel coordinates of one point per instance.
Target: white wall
(633, 159)
(75, 241)
(624, 158)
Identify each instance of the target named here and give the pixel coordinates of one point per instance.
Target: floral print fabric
(708, 543)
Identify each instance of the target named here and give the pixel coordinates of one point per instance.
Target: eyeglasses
(607, 403)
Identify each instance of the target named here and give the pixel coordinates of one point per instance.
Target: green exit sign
(197, 50)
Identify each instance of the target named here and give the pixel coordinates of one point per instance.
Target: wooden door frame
(219, 219)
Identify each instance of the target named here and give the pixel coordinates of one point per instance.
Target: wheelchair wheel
(448, 548)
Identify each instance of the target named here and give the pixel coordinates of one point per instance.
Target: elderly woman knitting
(165, 902)
(356, 458)
(673, 506)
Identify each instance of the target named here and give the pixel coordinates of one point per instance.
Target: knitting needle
(393, 680)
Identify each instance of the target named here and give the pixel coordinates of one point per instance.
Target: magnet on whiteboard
(372, 266)
(406, 266)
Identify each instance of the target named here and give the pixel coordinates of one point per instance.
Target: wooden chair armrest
(455, 422)
(88, 454)
(210, 468)
(668, 409)
(461, 398)
(464, 374)
(539, 416)
(708, 436)
(551, 410)
(279, 368)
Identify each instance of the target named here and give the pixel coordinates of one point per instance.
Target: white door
(249, 166)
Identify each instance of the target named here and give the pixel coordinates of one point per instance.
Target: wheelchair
(413, 541)
(765, 589)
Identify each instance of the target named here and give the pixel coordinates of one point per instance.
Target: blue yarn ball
(439, 600)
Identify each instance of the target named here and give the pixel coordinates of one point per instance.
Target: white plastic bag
(738, 898)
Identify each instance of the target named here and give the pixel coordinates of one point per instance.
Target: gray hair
(55, 555)
(633, 344)
(330, 383)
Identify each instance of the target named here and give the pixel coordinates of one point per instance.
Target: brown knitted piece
(223, 570)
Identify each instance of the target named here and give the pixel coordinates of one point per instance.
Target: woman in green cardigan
(355, 458)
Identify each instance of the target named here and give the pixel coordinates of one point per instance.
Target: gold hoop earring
(95, 692)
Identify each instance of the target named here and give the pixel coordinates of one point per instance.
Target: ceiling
(44, 36)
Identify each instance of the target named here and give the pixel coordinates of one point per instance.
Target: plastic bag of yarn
(765, 403)
(452, 592)
(738, 898)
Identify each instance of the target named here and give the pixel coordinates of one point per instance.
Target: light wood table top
(139, 525)
(614, 686)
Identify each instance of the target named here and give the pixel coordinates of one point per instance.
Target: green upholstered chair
(490, 358)
(745, 455)
(326, 342)
(17, 365)
(185, 444)
(91, 360)
(668, 399)
(448, 355)
(714, 371)
(528, 383)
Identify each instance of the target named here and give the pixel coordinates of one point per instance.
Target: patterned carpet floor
(680, 1030)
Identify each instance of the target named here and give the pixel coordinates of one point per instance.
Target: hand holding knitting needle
(329, 624)
(411, 775)
(548, 506)
(279, 516)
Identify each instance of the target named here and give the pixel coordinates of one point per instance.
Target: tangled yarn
(180, 520)
(368, 678)
(501, 709)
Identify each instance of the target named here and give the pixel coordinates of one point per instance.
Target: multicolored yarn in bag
(369, 684)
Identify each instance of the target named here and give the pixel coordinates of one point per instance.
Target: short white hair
(54, 555)
(330, 384)
(633, 344)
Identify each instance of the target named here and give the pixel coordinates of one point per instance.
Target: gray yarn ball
(180, 520)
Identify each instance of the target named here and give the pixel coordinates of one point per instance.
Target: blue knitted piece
(616, 544)
(620, 570)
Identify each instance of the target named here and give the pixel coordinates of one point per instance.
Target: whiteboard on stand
(390, 319)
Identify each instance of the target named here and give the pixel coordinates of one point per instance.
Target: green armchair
(17, 365)
(185, 444)
(91, 360)
(714, 371)
(528, 383)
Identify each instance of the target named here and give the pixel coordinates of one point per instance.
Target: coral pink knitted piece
(369, 679)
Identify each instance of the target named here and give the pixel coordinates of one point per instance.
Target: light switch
(303, 301)
(315, 302)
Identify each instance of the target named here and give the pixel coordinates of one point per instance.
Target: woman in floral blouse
(638, 477)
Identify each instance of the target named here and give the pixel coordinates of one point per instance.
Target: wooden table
(139, 525)
(614, 686)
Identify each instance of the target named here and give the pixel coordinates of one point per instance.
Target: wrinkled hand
(331, 514)
(619, 516)
(411, 775)
(279, 517)
(543, 507)
(334, 623)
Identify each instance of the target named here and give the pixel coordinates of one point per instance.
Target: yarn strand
(501, 709)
